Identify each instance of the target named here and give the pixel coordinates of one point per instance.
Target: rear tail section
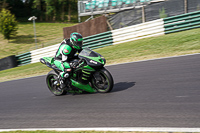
(49, 61)
(45, 60)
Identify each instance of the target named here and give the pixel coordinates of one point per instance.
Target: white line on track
(128, 129)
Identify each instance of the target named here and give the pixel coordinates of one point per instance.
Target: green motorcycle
(89, 75)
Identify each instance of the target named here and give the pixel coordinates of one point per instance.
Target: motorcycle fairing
(49, 61)
(45, 60)
(85, 87)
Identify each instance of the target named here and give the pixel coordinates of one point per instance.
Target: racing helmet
(76, 40)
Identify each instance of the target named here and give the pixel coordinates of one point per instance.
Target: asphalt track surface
(156, 93)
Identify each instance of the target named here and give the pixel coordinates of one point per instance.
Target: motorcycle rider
(66, 51)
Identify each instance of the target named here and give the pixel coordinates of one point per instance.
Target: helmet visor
(79, 44)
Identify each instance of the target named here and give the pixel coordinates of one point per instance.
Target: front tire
(102, 81)
(53, 84)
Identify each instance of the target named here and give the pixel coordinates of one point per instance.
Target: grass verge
(181, 43)
(46, 33)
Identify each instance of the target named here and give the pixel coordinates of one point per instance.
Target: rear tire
(102, 81)
(52, 83)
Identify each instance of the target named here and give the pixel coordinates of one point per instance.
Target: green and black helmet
(76, 40)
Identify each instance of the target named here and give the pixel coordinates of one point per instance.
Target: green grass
(181, 43)
(186, 42)
(46, 33)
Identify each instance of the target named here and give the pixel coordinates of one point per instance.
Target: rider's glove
(75, 64)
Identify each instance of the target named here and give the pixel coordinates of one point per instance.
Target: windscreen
(88, 52)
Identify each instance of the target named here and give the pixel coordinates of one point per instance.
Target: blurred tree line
(44, 10)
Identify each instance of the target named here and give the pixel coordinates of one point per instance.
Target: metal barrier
(23, 59)
(94, 41)
(140, 31)
(98, 40)
(182, 22)
(49, 51)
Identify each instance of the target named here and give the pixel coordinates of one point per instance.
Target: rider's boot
(63, 76)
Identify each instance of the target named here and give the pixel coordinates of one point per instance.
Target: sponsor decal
(66, 51)
(91, 61)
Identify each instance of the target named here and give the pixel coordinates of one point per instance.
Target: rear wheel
(53, 83)
(103, 81)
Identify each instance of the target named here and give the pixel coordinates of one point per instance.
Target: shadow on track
(121, 86)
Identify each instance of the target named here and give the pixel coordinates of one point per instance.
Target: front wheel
(53, 84)
(102, 81)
